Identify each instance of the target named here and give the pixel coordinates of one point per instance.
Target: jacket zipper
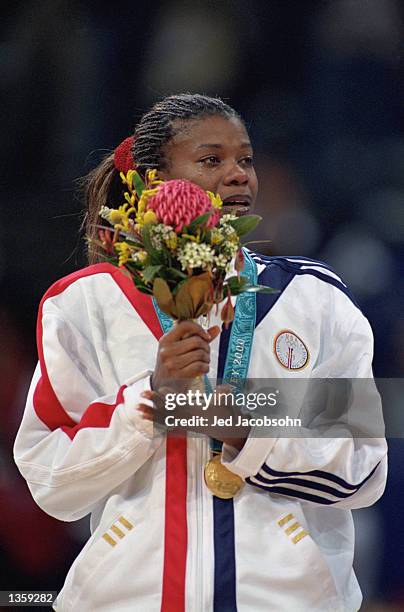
(199, 522)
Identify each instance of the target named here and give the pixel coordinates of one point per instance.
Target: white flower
(229, 232)
(139, 256)
(224, 219)
(105, 212)
(156, 242)
(231, 248)
(195, 255)
(160, 233)
(223, 262)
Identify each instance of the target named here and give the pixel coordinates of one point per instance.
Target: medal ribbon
(242, 329)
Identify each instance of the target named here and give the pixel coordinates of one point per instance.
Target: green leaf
(138, 183)
(246, 224)
(148, 245)
(259, 289)
(177, 273)
(256, 242)
(109, 258)
(155, 256)
(235, 284)
(201, 220)
(134, 243)
(150, 272)
(143, 288)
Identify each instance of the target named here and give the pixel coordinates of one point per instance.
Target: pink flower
(178, 202)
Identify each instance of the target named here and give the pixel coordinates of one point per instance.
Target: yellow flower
(190, 237)
(129, 178)
(124, 251)
(131, 199)
(216, 237)
(144, 199)
(115, 217)
(151, 178)
(171, 241)
(142, 206)
(119, 217)
(149, 217)
(215, 199)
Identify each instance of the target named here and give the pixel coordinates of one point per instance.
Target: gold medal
(220, 481)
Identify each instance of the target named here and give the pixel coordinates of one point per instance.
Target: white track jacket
(160, 540)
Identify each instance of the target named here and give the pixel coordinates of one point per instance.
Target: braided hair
(159, 125)
(103, 186)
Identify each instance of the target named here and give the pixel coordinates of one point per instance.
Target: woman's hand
(183, 353)
(216, 419)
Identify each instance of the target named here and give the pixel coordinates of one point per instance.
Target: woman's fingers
(147, 412)
(185, 328)
(184, 352)
(213, 332)
(185, 346)
(179, 363)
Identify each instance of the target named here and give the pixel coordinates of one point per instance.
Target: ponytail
(101, 187)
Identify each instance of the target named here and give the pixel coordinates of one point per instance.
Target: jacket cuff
(135, 386)
(249, 460)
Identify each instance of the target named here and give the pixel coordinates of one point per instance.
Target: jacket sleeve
(77, 440)
(340, 463)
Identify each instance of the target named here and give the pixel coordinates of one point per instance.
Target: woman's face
(216, 154)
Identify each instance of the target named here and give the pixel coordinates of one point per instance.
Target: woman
(160, 539)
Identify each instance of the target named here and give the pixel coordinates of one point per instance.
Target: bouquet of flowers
(171, 239)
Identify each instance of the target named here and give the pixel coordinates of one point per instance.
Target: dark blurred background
(320, 85)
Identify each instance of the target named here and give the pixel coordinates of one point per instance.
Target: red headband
(123, 156)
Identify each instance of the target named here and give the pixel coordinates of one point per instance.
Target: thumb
(213, 332)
